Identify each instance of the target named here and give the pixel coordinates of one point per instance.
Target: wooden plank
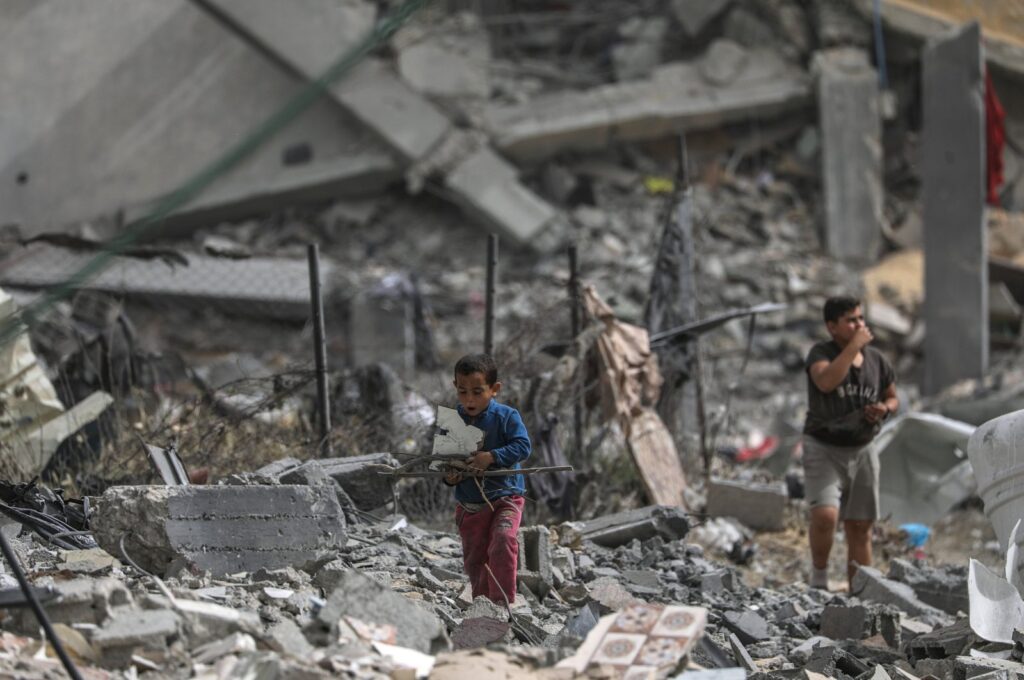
(656, 458)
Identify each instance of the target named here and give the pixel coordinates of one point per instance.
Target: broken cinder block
(758, 506)
(611, 531)
(220, 529)
(535, 568)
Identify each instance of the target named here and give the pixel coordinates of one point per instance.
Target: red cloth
(995, 140)
(489, 538)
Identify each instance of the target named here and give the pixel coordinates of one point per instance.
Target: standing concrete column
(851, 157)
(953, 168)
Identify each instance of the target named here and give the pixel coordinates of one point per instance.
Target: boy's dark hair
(478, 363)
(835, 307)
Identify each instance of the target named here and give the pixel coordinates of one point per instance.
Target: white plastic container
(996, 451)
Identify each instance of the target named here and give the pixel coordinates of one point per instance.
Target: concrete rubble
(377, 590)
(812, 169)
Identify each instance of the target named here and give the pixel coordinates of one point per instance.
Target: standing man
(851, 389)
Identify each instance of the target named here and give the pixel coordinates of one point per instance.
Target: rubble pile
(389, 587)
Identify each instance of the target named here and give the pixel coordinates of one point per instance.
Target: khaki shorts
(844, 477)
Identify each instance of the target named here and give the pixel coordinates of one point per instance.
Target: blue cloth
(917, 534)
(506, 438)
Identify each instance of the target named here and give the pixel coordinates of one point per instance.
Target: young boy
(489, 508)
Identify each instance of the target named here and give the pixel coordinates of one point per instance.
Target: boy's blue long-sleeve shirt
(506, 438)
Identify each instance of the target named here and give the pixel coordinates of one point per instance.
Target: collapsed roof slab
(307, 39)
(675, 98)
(266, 287)
(118, 104)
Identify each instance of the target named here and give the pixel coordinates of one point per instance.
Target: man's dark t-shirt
(837, 418)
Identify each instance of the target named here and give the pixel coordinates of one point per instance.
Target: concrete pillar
(851, 157)
(955, 248)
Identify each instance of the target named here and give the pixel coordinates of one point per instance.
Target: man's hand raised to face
(862, 337)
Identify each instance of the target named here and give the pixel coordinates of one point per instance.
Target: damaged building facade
(207, 443)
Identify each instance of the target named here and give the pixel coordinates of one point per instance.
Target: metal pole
(696, 356)
(320, 350)
(37, 608)
(492, 272)
(574, 304)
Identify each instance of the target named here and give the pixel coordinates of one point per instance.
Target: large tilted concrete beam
(677, 97)
(308, 38)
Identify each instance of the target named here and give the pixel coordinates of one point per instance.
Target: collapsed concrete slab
(307, 42)
(956, 346)
(263, 286)
(115, 108)
(221, 529)
(642, 524)
(758, 506)
(132, 630)
(851, 158)
(676, 97)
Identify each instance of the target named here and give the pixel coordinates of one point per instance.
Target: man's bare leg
(821, 533)
(858, 545)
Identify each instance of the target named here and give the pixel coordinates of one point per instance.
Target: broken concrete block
(640, 51)
(221, 529)
(944, 588)
(480, 632)
(362, 598)
(131, 629)
(485, 608)
(831, 661)
(535, 570)
(869, 584)
(610, 594)
(449, 61)
(285, 637)
(643, 523)
(218, 649)
(749, 626)
(858, 622)
(758, 506)
(88, 561)
(942, 642)
(723, 62)
(361, 481)
(81, 600)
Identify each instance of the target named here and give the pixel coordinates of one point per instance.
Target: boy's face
(846, 326)
(474, 392)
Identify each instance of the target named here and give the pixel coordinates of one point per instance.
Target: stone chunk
(132, 629)
(944, 588)
(81, 600)
(360, 480)
(643, 523)
(869, 584)
(360, 597)
(758, 506)
(610, 594)
(479, 632)
(221, 529)
(748, 625)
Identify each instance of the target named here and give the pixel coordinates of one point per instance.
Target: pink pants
(489, 540)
